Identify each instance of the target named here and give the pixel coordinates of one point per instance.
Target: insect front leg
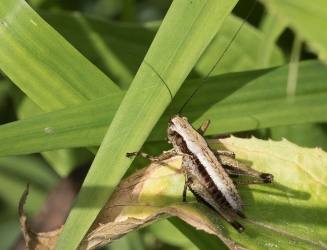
(234, 167)
(225, 152)
(164, 156)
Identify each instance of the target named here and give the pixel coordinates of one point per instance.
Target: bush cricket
(207, 172)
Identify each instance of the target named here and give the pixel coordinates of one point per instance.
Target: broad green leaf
(233, 102)
(288, 214)
(58, 127)
(307, 18)
(194, 25)
(44, 65)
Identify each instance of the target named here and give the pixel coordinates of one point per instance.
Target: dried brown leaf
(148, 195)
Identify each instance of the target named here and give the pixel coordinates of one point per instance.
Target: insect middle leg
(203, 129)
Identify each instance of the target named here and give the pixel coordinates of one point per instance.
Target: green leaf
(233, 102)
(307, 18)
(194, 25)
(241, 55)
(43, 64)
(117, 49)
(263, 102)
(106, 47)
(288, 214)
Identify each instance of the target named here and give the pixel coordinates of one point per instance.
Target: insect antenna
(171, 95)
(205, 78)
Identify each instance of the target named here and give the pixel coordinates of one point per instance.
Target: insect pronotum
(207, 172)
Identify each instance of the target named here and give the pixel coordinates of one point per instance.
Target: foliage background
(103, 31)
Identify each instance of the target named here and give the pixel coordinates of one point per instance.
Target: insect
(207, 172)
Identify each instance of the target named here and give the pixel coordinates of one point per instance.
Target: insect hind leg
(236, 168)
(197, 188)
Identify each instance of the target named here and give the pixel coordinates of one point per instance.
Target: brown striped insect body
(207, 172)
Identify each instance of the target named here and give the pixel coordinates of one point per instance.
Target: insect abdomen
(197, 169)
